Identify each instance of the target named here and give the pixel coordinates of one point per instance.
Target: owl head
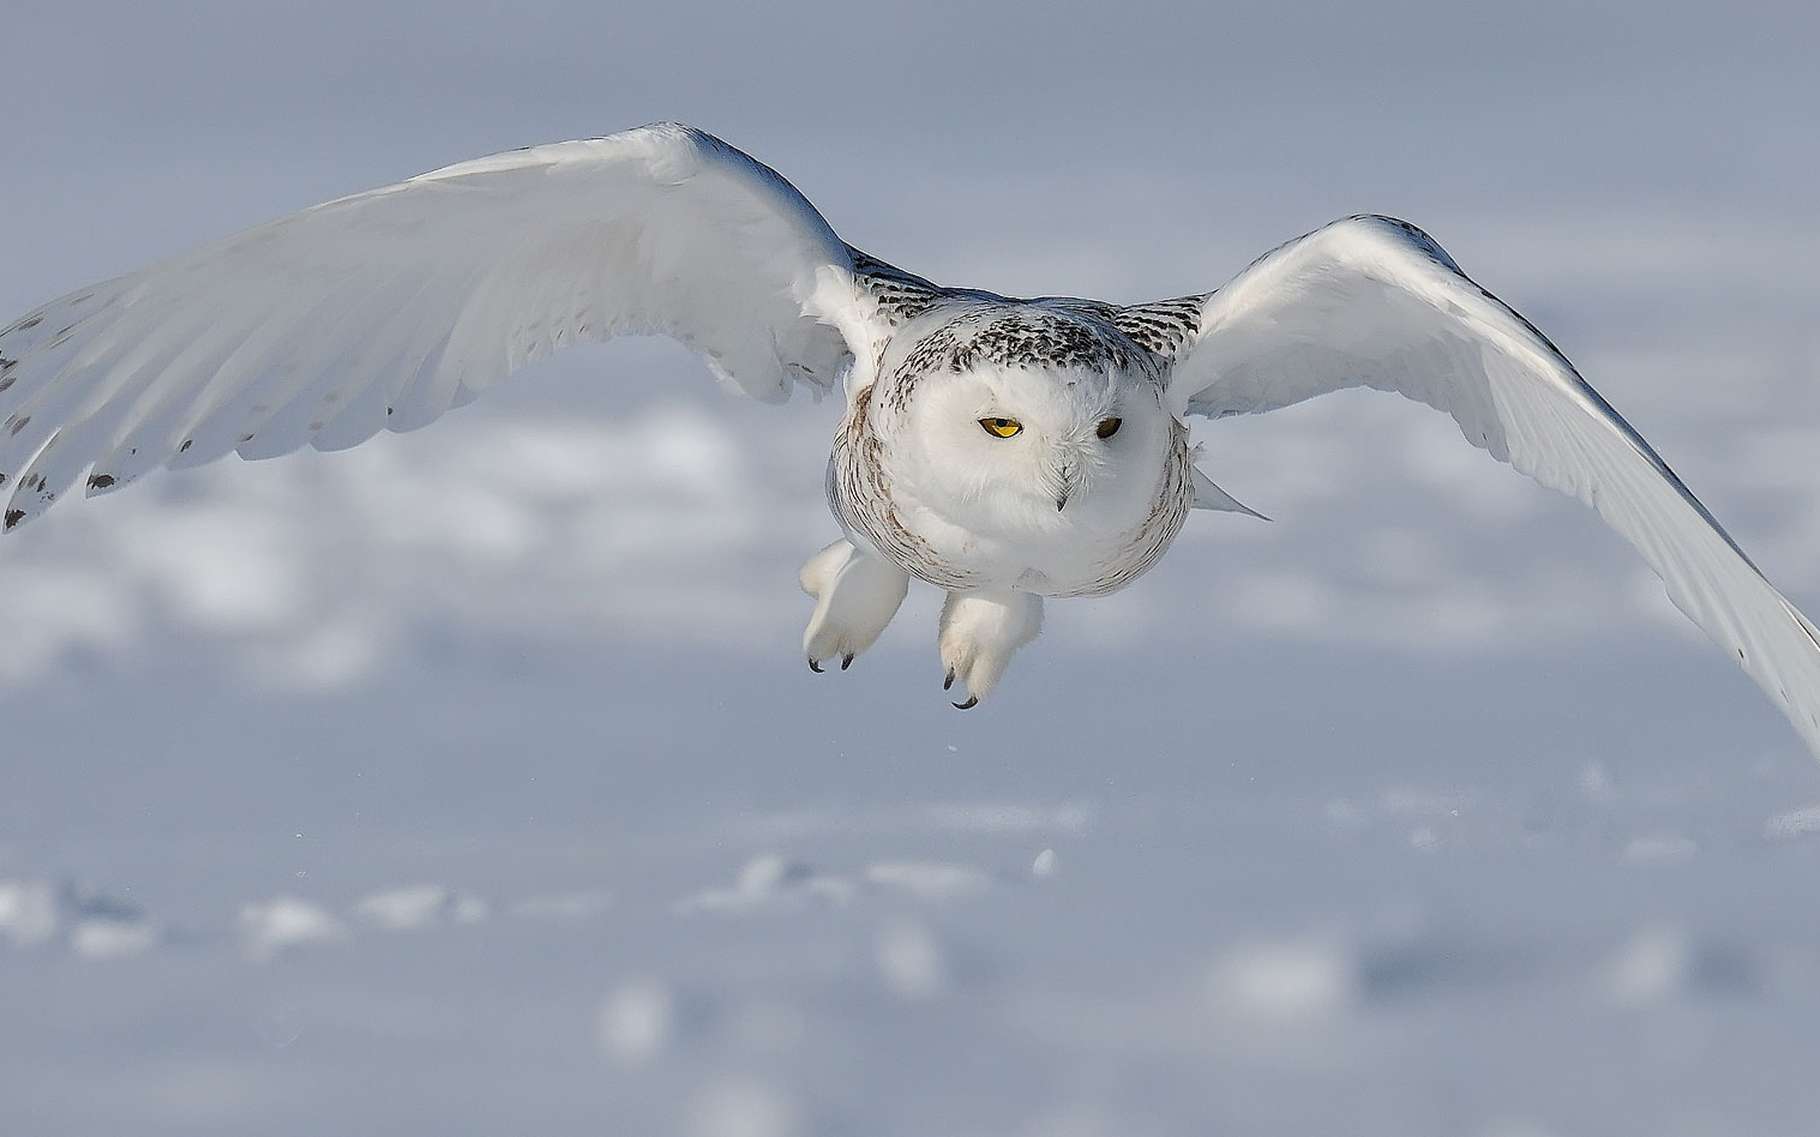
(1030, 422)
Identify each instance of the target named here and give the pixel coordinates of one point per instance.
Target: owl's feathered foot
(855, 597)
(980, 632)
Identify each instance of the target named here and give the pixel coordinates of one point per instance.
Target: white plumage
(386, 308)
(1002, 449)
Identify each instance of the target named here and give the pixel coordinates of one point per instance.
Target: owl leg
(980, 631)
(856, 595)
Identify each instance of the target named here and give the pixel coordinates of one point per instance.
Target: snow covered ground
(727, 897)
(471, 782)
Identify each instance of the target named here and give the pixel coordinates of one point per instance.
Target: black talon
(846, 661)
(968, 705)
(948, 682)
(815, 667)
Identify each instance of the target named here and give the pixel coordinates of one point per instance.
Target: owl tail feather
(1209, 496)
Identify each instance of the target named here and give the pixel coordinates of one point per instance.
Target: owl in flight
(1000, 449)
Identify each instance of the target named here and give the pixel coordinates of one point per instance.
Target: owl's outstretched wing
(1374, 302)
(385, 309)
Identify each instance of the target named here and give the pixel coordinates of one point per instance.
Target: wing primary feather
(1375, 302)
(386, 308)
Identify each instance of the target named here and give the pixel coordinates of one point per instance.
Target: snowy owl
(1001, 449)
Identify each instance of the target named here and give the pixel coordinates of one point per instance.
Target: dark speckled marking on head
(1025, 335)
(1052, 332)
(1041, 337)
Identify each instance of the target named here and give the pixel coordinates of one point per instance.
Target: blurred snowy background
(470, 782)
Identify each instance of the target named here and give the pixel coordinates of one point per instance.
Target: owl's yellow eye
(1002, 427)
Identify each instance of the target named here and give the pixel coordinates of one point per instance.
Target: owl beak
(1067, 483)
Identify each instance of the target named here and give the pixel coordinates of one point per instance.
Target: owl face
(1027, 450)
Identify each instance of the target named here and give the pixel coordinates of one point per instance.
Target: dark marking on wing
(1162, 327)
(899, 295)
